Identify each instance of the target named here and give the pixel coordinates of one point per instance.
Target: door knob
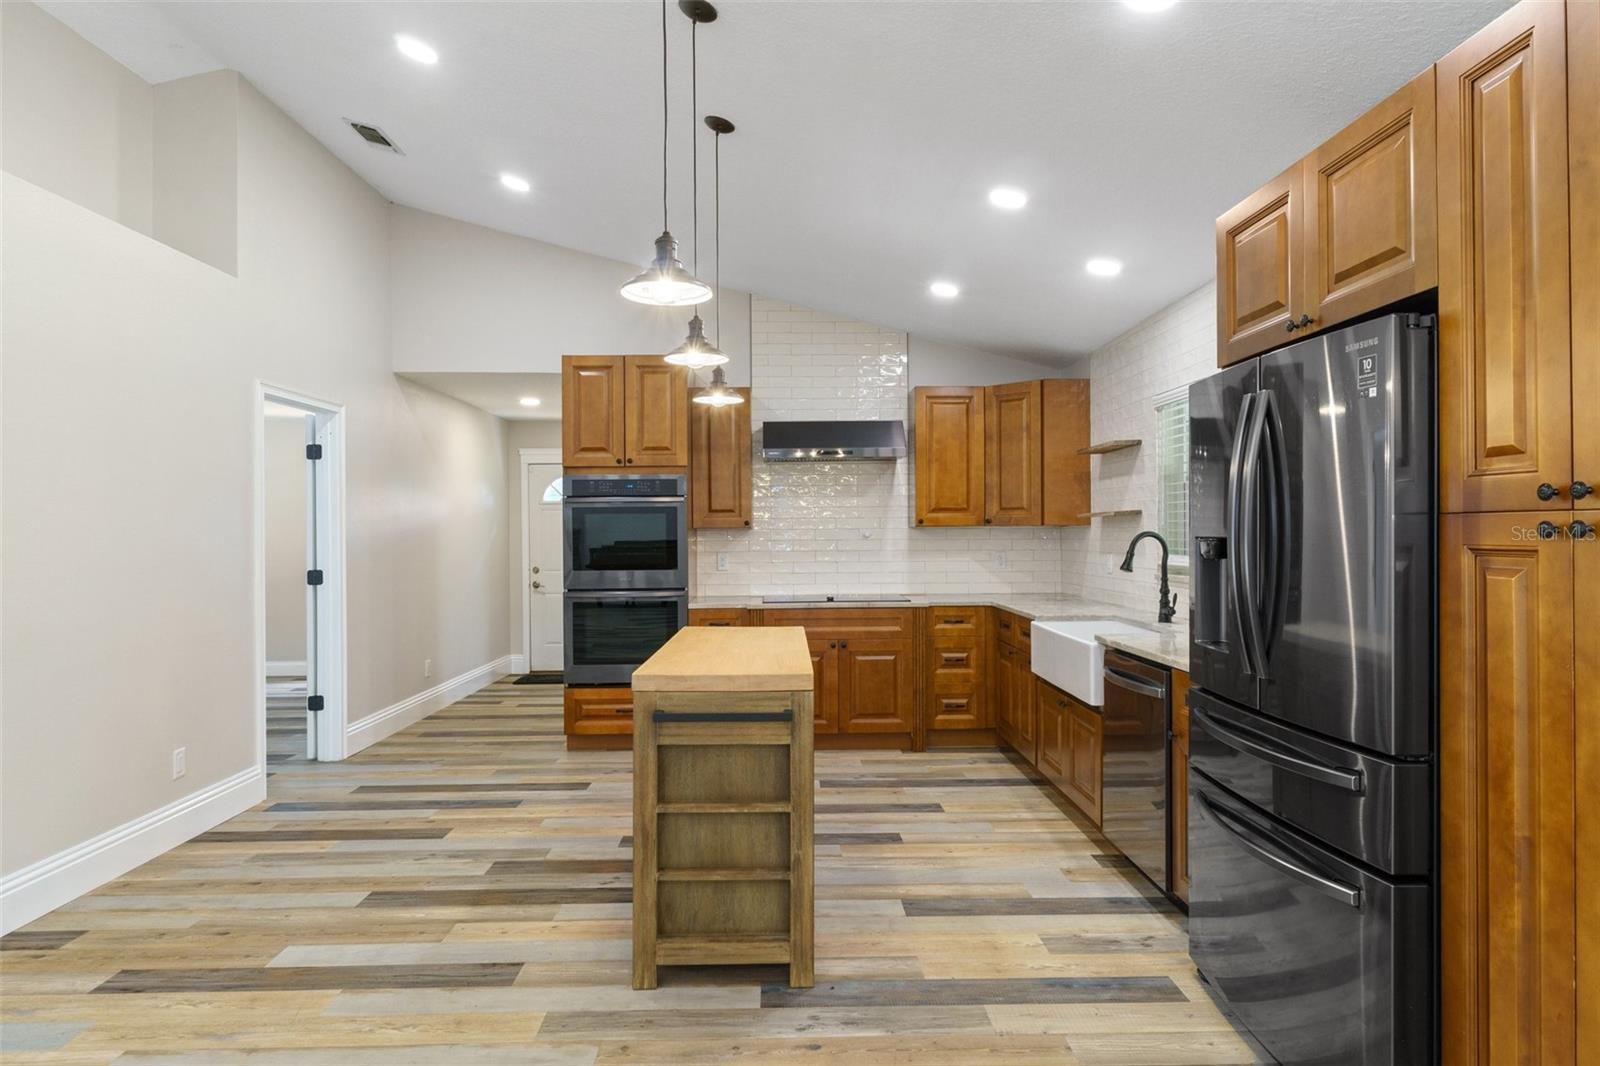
(536, 584)
(1580, 489)
(1581, 530)
(1547, 491)
(534, 570)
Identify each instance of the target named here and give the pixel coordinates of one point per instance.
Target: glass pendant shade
(719, 394)
(665, 282)
(696, 352)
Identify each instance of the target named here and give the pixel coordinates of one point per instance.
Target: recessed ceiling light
(529, 401)
(1150, 7)
(1104, 268)
(945, 290)
(412, 48)
(1007, 198)
(514, 183)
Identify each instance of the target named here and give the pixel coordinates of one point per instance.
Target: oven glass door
(626, 544)
(610, 634)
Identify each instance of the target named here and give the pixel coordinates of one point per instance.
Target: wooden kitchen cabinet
(1064, 435)
(1260, 273)
(1178, 789)
(656, 412)
(1586, 753)
(592, 406)
(1505, 354)
(719, 465)
(864, 662)
(1370, 237)
(957, 658)
(1052, 748)
(1085, 752)
(825, 670)
(1583, 146)
(1015, 712)
(948, 425)
(598, 711)
(719, 616)
(1506, 785)
(1012, 451)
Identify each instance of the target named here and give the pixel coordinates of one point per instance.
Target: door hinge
(313, 451)
(313, 577)
(313, 703)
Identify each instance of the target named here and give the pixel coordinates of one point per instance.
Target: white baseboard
(286, 668)
(517, 665)
(395, 717)
(40, 888)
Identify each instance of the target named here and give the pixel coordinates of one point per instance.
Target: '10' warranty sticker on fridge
(1366, 366)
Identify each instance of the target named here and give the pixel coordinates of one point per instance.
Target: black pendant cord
(694, 134)
(664, 115)
(716, 230)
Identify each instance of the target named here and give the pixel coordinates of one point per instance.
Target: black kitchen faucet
(1169, 602)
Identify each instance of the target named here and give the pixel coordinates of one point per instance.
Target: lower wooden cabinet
(1506, 783)
(1052, 747)
(1178, 789)
(719, 616)
(1017, 718)
(1070, 746)
(957, 668)
(864, 659)
(601, 711)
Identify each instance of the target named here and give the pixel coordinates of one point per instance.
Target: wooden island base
(722, 803)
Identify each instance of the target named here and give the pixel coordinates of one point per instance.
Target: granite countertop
(1167, 645)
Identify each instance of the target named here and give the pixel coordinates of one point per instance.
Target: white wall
(285, 462)
(846, 527)
(1175, 346)
(936, 363)
(468, 298)
(155, 354)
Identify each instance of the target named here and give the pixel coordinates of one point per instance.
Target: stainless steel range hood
(832, 442)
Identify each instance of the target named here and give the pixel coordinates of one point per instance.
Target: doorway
(542, 560)
(299, 562)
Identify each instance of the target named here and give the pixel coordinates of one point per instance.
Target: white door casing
(542, 560)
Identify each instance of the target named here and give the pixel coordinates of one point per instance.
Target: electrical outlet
(180, 762)
(999, 560)
(427, 668)
(722, 560)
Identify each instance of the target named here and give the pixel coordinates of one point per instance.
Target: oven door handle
(1268, 853)
(618, 501)
(616, 595)
(1349, 780)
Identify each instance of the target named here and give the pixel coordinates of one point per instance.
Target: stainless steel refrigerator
(1311, 806)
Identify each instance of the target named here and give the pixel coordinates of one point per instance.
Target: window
(1172, 491)
(552, 492)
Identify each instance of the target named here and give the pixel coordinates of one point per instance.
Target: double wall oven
(625, 557)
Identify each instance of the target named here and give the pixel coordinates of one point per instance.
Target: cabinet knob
(1581, 489)
(988, 521)
(1301, 323)
(630, 459)
(833, 643)
(619, 462)
(1581, 530)
(844, 644)
(1547, 491)
(1548, 530)
(747, 521)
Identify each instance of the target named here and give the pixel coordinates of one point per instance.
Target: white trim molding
(527, 457)
(40, 888)
(286, 668)
(517, 664)
(395, 717)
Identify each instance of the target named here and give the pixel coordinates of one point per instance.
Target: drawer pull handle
(953, 657)
(952, 621)
(953, 705)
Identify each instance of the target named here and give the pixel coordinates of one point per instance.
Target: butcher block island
(722, 802)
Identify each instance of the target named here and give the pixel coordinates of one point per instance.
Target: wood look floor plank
(459, 894)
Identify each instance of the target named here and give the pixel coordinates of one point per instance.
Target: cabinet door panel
(1259, 273)
(875, 686)
(1013, 444)
(1083, 758)
(1504, 349)
(657, 412)
(948, 423)
(1586, 719)
(825, 684)
(1583, 141)
(719, 465)
(1178, 788)
(1506, 790)
(1065, 468)
(591, 410)
(1052, 704)
(1370, 233)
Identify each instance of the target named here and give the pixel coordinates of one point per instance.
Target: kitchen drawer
(950, 621)
(719, 616)
(1015, 630)
(845, 621)
(598, 711)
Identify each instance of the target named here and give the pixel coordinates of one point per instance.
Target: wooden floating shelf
(724, 873)
(1109, 446)
(722, 808)
(1113, 514)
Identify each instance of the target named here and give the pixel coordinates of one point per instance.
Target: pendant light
(696, 352)
(665, 283)
(719, 394)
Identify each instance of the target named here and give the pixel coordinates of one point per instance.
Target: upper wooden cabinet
(1370, 236)
(1348, 229)
(1065, 465)
(1583, 142)
(657, 412)
(591, 410)
(1259, 271)
(621, 410)
(1012, 453)
(1506, 786)
(947, 423)
(1505, 360)
(719, 465)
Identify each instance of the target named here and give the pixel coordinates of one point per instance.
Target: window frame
(1178, 561)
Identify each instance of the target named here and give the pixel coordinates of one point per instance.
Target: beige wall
(936, 363)
(285, 462)
(521, 433)
(158, 354)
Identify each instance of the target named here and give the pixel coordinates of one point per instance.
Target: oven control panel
(623, 485)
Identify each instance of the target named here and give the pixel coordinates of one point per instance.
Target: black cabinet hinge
(313, 577)
(313, 451)
(313, 703)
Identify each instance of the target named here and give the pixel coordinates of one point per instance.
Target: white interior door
(544, 566)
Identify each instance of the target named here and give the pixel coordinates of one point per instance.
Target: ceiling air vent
(374, 136)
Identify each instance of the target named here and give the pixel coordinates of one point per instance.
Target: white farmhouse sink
(1067, 655)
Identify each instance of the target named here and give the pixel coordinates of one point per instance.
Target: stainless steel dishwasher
(1134, 804)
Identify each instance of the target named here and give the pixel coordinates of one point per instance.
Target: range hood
(832, 442)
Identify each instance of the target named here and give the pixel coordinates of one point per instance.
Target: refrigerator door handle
(1236, 546)
(1349, 780)
(1279, 537)
(1248, 502)
(1244, 834)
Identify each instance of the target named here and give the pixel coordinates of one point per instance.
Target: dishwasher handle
(1134, 684)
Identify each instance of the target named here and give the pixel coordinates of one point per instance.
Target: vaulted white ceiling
(869, 132)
